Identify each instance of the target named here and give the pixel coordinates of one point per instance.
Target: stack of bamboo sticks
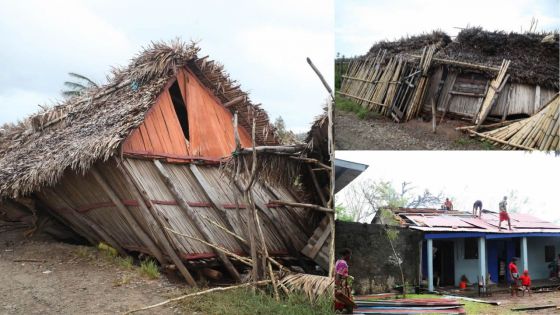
(538, 132)
(492, 94)
(425, 63)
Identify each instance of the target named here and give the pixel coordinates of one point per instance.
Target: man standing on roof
(448, 205)
(504, 216)
(477, 206)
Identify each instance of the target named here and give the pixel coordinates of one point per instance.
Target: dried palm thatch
(534, 56)
(539, 132)
(92, 126)
(314, 287)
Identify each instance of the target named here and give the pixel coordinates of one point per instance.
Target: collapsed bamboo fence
(538, 132)
(396, 86)
(392, 86)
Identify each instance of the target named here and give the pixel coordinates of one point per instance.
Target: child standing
(525, 282)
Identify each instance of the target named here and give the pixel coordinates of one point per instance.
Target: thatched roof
(81, 130)
(534, 56)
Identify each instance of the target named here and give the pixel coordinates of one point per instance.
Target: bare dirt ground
(535, 299)
(381, 133)
(41, 276)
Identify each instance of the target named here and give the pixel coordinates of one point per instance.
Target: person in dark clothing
(477, 206)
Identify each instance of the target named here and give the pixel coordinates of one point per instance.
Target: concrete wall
(467, 267)
(538, 268)
(370, 247)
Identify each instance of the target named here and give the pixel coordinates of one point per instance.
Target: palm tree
(78, 87)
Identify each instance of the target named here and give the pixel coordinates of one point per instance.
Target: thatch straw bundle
(539, 132)
(314, 287)
(90, 127)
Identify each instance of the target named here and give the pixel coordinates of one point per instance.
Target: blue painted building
(462, 244)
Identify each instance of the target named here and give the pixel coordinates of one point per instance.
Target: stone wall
(371, 263)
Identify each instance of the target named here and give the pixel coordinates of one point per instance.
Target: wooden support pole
(147, 207)
(144, 237)
(302, 205)
(317, 187)
(194, 218)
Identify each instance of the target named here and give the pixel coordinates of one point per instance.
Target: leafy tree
(365, 198)
(341, 214)
(79, 86)
(285, 136)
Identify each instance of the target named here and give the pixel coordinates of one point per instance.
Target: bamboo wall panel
(223, 213)
(521, 99)
(210, 125)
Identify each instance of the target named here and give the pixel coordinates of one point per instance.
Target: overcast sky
(359, 24)
(262, 45)
(466, 176)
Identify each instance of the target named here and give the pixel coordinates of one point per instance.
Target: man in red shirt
(525, 282)
(514, 276)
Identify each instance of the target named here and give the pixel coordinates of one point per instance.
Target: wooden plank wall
(81, 201)
(220, 208)
(210, 125)
(518, 98)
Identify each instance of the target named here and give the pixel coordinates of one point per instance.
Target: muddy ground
(42, 276)
(536, 299)
(381, 133)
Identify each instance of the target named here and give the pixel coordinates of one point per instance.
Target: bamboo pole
(495, 88)
(263, 282)
(302, 205)
(194, 218)
(134, 225)
(146, 206)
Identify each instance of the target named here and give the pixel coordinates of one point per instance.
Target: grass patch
(107, 250)
(83, 252)
(348, 105)
(465, 142)
(126, 262)
(149, 268)
(122, 281)
(244, 301)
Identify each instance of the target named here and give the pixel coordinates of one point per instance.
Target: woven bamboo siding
(520, 99)
(224, 212)
(84, 195)
(210, 125)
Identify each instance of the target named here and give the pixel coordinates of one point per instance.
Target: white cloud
(16, 104)
(359, 24)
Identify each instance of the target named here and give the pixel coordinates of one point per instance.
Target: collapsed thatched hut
(151, 151)
(479, 76)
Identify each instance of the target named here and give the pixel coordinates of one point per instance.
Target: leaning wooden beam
(462, 64)
(236, 101)
(166, 240)
(310, 160)
(154, 250)
(500, 140)
(302, 205)
(490, 126)
(215, 247)
(196, 221)
(241, 239)
(493, 92)
(206, 188)
(325, 84)
(316, 185)
(273, 149)
(263, 282)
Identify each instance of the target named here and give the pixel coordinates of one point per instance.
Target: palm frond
(312, 286)
(69, 93)
(90, 82)
(74, 85)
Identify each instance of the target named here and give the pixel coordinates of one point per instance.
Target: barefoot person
(504, 216)
(514, 276)
(477, 207)
(448, 205)
(525, 282)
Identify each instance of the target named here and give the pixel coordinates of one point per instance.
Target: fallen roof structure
(480, 76)
(170, 158)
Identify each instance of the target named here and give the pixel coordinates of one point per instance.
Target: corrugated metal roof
(432, 220)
